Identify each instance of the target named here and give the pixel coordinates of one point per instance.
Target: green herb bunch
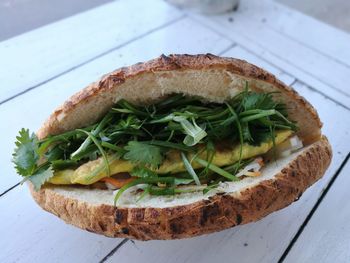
(143, 135)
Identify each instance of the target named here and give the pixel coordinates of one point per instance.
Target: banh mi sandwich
(175, 147)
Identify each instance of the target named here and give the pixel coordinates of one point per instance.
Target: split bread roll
(189, 214)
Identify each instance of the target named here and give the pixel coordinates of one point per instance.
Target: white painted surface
(37, 56)
(24, 224)
(326, 237)
(183, 36)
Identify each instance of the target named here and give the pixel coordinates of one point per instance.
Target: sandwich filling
(179, 144)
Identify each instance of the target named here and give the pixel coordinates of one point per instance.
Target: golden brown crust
(202, 217)
(99, 96)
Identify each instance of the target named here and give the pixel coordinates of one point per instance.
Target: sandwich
(179, 146)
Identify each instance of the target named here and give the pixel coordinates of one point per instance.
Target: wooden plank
(30, 109)
(307, 65)
(36, 56)
(28, 234)
(265, 240)
(304, 29)
(326, 237)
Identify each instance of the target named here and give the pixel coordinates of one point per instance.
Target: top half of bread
(211, 77)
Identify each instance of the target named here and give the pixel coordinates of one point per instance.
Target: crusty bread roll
(214, 79)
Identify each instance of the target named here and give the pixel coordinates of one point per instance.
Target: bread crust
(88, 105)
(214, 214)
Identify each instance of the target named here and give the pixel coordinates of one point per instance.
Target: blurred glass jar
(207, 6)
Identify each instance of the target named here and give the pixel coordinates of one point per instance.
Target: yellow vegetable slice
(62, 177)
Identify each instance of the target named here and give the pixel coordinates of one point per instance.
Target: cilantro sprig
(26, 158)
(143, 154)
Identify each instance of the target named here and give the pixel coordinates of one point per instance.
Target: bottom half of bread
(281, 183)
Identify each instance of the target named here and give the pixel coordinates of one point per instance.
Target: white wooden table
(40, 69)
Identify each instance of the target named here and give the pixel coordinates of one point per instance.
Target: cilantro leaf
(143, 154)
(26, 155)
(41, 177)
(255, 100)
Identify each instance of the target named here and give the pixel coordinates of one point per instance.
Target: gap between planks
(111, 253)
(325, 95)
(9, 189)
(94, 58)
(228, 48)
(314, 208)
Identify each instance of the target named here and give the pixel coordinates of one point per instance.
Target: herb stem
(239, 127)
(94, 132)
(216, 169)
(170, 145)
(113, 147)
(102, 152)
(263, 113)
(190, 169)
